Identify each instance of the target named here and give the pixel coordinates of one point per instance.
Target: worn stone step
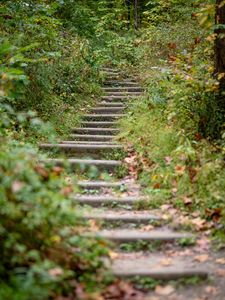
(90, 137)
(135, 235)
(106, 69)
(82, 148)
(134, 217)
(107, 110)
(90, 142)
(95, 185)
(126, 265)
(99, 124)
(130, 89)
(128, 94)
(94, 131)
(119, 98)
(101, 165)
(111, 104)
(121, 83)
(106, 117)
(112, 74)
(97, 201)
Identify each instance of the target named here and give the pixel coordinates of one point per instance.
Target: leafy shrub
(43, 252)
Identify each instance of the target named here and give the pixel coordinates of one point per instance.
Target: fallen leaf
(57, 170)
(147, 227)
(211, 290)
(164, 290)
(179, 169)
(187, 201)
(198, 223)
(220, 261)
(168, 160)
(166, 262)
(220, 272)
(156, 186)
(201, 258)
(42, 171)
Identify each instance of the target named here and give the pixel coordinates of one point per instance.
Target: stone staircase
(114, 203)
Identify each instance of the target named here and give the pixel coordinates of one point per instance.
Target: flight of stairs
(111, 201)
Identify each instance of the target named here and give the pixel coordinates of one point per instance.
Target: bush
(43, 252)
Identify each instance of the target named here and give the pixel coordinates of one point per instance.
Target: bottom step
(156, 266)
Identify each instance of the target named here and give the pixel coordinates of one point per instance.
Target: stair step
(101, 124)
(115, 98)
(102, 165)
(99, 184)
(103, 116)
(123, 89)
(91, 137)
(111, 104)
(112, 74)
(150, 265)
(98, 131)
(121, 83)
(82, 148)
(107, 110)
(97, 201)
(110, 70)
(134, 235)
(122, 216)
(90, 142)
(128, 94)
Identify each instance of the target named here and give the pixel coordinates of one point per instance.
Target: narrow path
(145, 245)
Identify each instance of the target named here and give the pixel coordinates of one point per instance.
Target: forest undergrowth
(177, 128)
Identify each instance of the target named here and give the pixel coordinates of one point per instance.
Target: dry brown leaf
(199, 223)
(166, 262)
(187, 201)
(147, 227)
(220, 261)
(164, 290)
(201, 258)
(220, 272)
(180, 170)
(211, 290)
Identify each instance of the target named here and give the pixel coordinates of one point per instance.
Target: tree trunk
(220, 42)
(128, 4)
(136, 14)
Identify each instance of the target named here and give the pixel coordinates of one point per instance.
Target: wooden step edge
(99, 184)
(116, 217)
(104, 116)
(98, 202)
(95, 129)
(128, 236)
(81, 146)
(88, 162)
(91, 142)
(161, 274)
(92, 136)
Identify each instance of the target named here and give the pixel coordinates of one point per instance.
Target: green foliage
(38, 223)
(173, 126)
